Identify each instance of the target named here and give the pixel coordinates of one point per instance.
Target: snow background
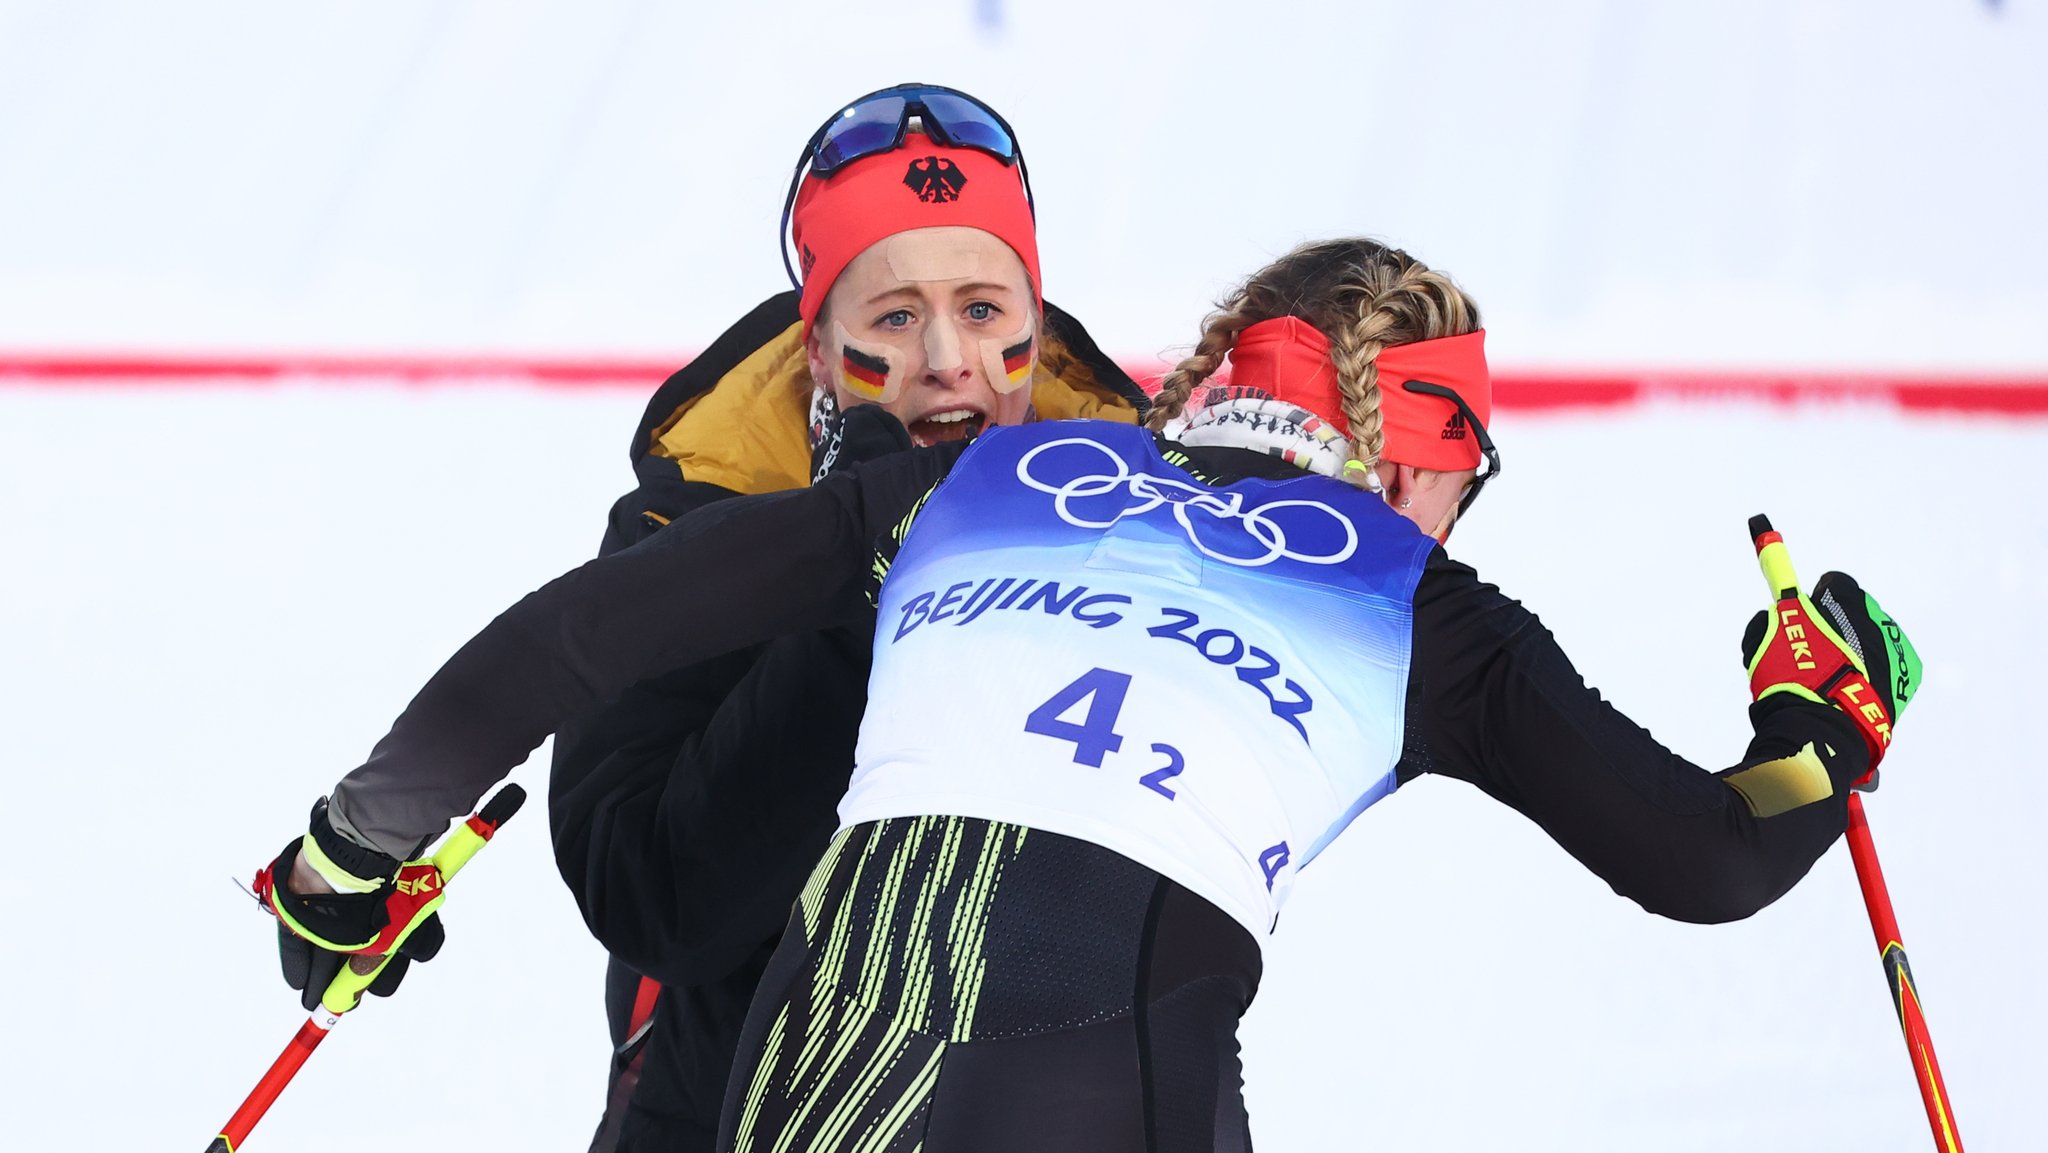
(1762, 182)
(213, 599)
(214, 602)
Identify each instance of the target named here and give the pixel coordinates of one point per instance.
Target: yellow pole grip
(1774, 558)
(456, 850)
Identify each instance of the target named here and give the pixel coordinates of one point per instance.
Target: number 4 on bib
(1094, 735)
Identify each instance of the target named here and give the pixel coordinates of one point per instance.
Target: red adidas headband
(923, 184)
(1290, 358)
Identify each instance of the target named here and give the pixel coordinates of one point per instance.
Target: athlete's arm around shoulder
(1493, 700)
(789, 562)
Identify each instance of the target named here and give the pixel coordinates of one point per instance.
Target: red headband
(1290, 358)
(921, 185)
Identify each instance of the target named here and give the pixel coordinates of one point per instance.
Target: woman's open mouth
(941, 427)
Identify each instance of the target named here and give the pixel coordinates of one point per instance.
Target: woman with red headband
(687, 812)
(1192, 656)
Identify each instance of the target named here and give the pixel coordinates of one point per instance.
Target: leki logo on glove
(1298, 530)
(1861, 699)
(1802, 649)
(935, 179)
(425, 881)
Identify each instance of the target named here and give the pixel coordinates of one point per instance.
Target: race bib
(1080, 637)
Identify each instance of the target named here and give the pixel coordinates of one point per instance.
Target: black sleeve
(1494, 701)
(688, 812)
(608, 761)
(790, 562)
(685, 857)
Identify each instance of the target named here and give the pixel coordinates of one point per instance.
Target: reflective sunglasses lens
(862, 130)
(968, 125)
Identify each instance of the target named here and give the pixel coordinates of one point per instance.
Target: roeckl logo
(414, 886)
(1454, 428)
(1262, 534)
(828, 454)
(1896, 638)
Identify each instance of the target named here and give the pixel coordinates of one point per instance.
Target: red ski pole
(357, 975)
(274, 1080)
(1777, 566)
(1905, 997)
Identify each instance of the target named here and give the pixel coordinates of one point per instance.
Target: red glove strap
(415, 885)
(1800, 652)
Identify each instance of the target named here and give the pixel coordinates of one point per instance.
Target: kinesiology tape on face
(872, 372)
(931, 254)
(931, 259)
(941, 345)
(1009, 360)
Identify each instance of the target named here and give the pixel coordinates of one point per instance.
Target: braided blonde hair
(1363, 295)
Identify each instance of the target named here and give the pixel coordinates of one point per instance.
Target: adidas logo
(1454, 428)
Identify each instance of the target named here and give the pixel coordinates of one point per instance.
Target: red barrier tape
(2021, 395)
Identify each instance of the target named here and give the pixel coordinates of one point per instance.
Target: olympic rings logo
(1138, 493)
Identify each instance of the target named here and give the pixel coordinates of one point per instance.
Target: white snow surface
(1753, 183)
(214, 601)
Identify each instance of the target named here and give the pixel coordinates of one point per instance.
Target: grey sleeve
(730, 575)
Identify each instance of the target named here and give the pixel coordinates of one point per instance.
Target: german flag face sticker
(871, 372)
(1009, 362)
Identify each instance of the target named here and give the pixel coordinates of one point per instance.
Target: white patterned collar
(1240, 416)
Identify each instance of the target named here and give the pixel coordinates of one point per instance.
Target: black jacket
(688, 812)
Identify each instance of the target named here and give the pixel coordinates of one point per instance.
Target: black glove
(391, 911)
(863, 432)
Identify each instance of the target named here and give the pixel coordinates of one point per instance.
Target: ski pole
(1777, 566)
(348, 985)
(1905, 996)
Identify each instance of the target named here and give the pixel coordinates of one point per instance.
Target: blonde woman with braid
(1394, 301)
(1126, 684)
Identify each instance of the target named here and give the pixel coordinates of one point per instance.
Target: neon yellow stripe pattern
(895, 921)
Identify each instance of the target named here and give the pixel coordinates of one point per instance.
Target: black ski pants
(953, 985)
